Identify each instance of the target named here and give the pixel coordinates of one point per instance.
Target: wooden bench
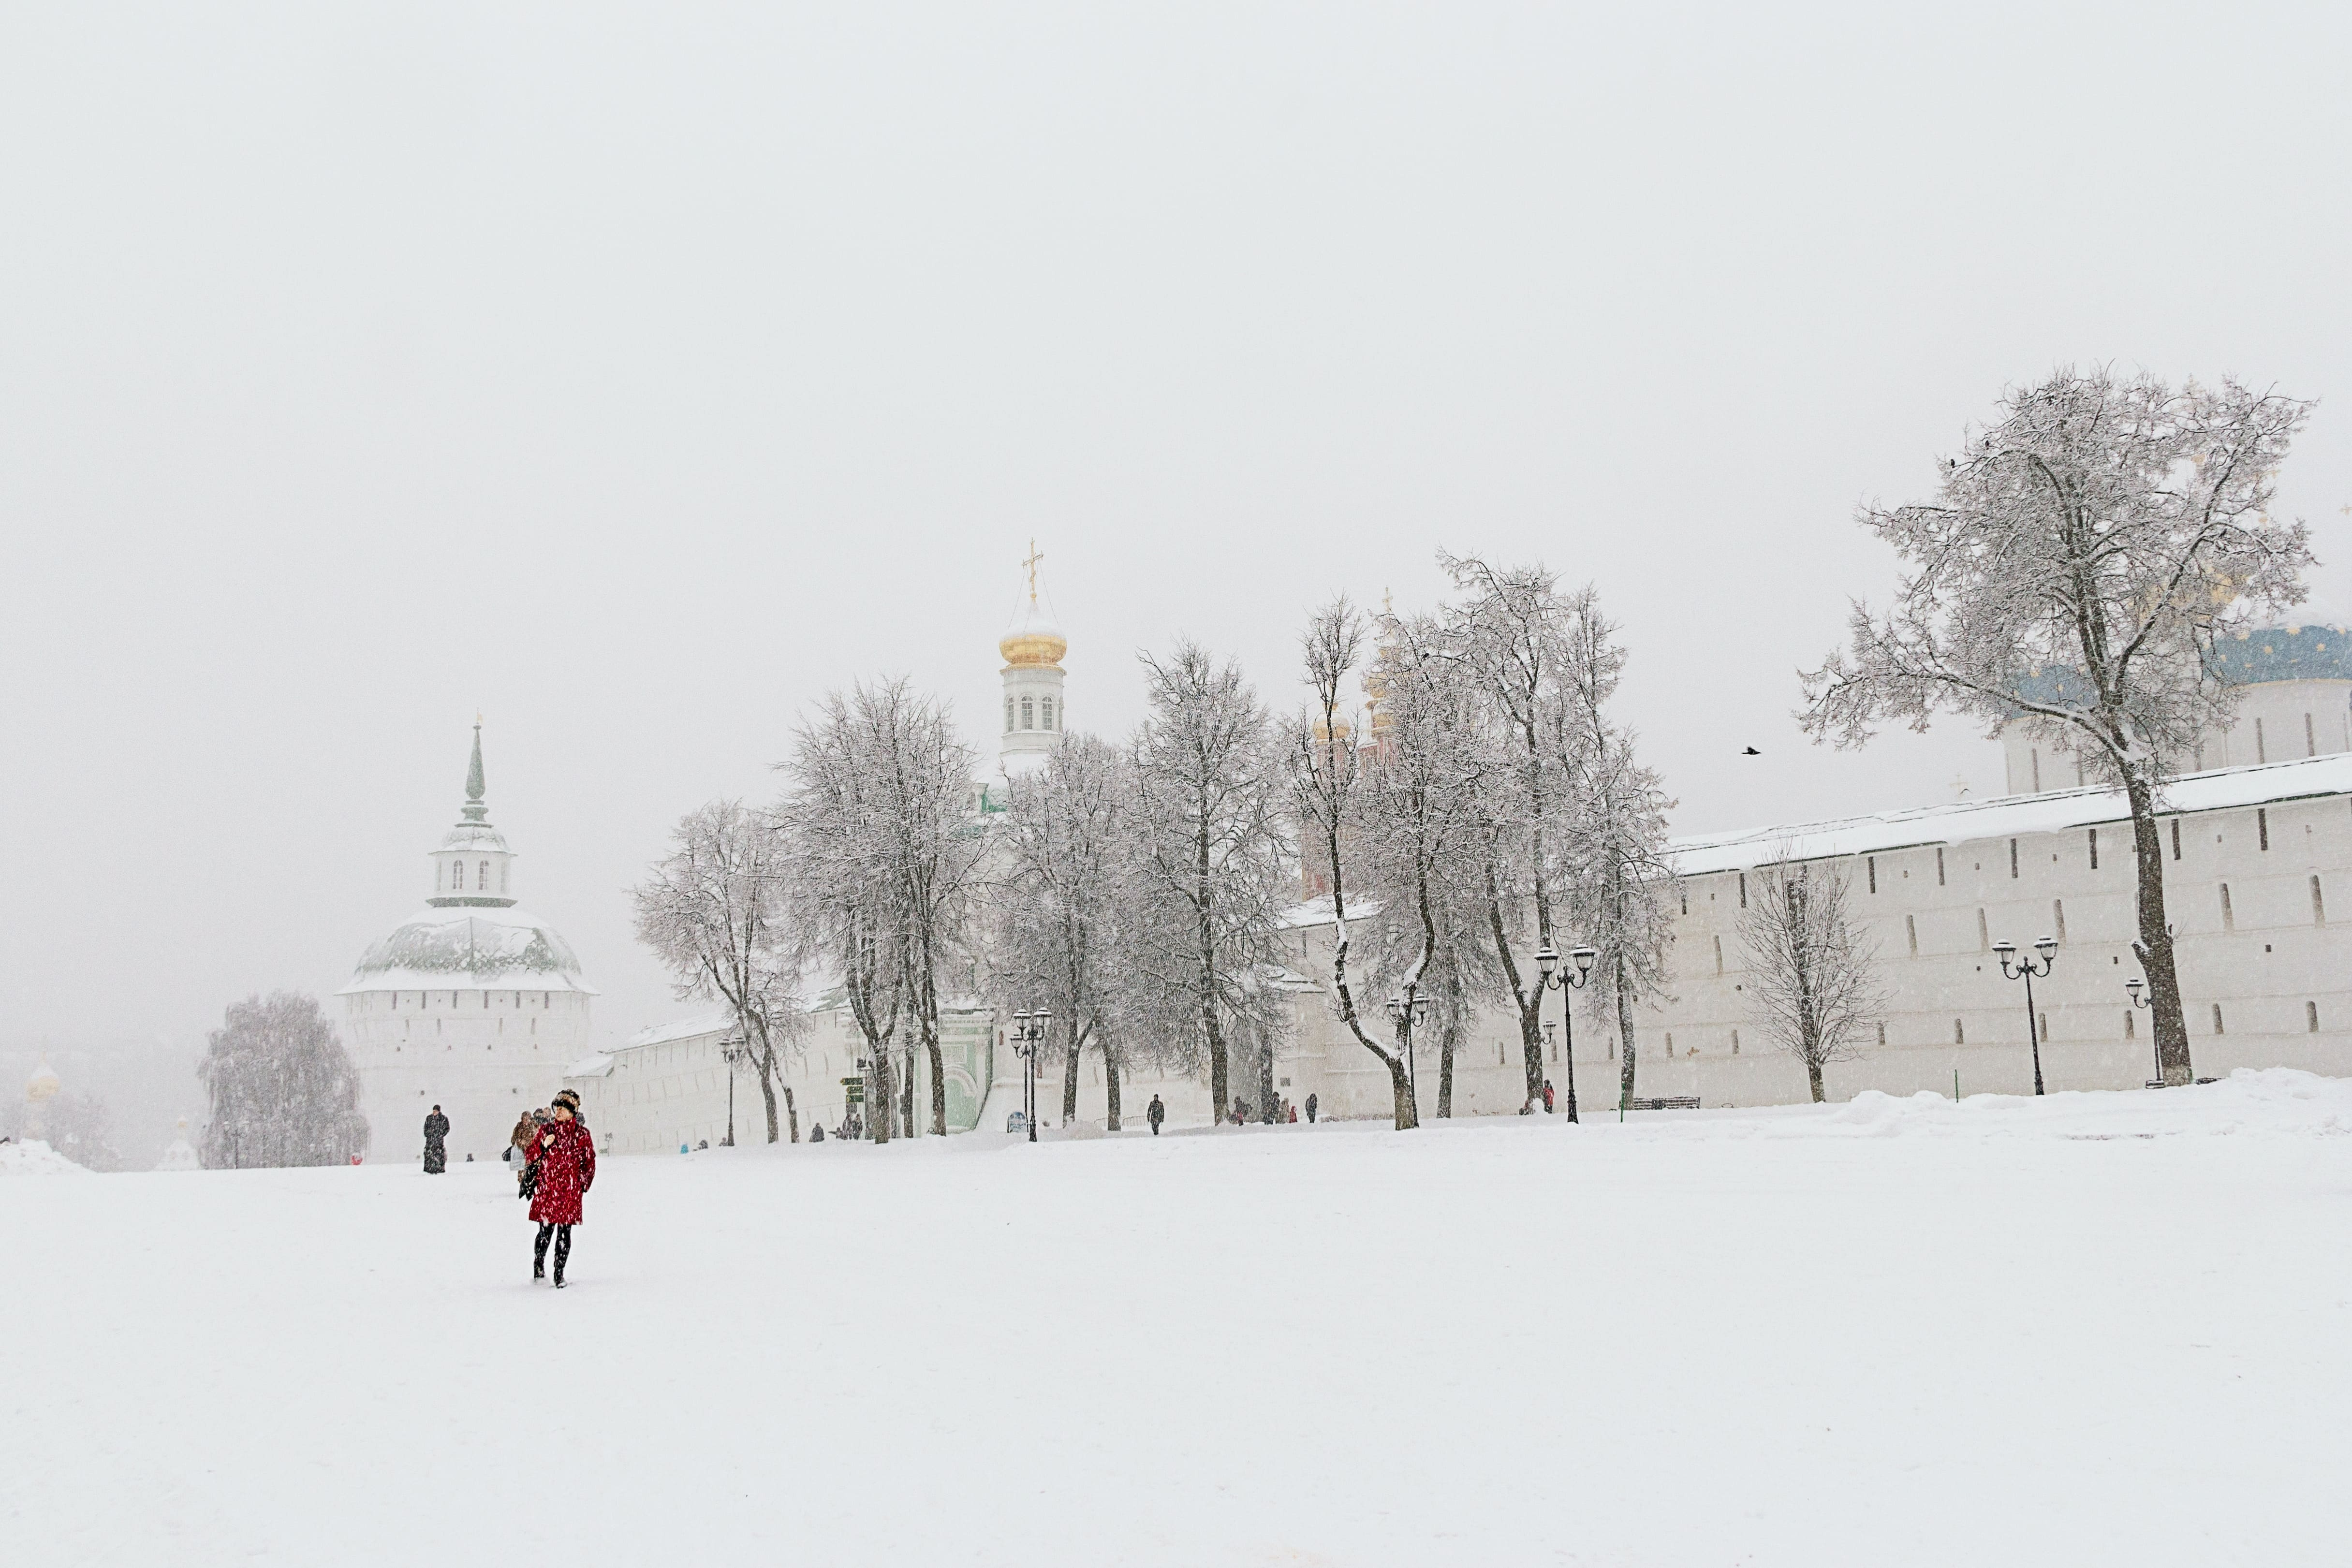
(1668, 1102)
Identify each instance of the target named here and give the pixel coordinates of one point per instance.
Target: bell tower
(1035, 717)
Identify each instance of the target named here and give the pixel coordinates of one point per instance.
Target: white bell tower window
(482, 877)
(1028, 714)
(1047, 706)
(1008, 716)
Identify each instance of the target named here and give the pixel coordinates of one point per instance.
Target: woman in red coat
(563, 1159)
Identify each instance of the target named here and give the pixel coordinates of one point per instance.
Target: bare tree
(1209, 857)
(1418, 853)
(840, 897)
(1327, 781)
(1060, 916)
(2102, 525)
(1617, 880)
(1811, 970)
(1512, 628)
(282, 1087)
(708, 913)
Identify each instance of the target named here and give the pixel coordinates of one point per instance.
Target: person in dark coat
(1310, 1108)
(565, 1156)
(816, 1133)
(1548, 1098)
(436, 1142)
(1155, 1114)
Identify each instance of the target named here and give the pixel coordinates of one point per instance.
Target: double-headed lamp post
(2133, 986)
(1404, 1011)
(1547, 960)
(1029, 1030)
(2025, 970)
(733, 1052)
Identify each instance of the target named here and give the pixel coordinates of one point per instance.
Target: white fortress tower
(470, 1004)
(1035, 715)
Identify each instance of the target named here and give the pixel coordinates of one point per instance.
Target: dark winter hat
(567, 1098)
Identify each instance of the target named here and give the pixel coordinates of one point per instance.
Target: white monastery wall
(483, 1056)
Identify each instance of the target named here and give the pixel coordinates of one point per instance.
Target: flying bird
(1750, 751)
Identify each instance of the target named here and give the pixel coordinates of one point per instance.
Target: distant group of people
(1285, 1111)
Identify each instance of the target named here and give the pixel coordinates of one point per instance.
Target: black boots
(539, 1255)
(563, 1252)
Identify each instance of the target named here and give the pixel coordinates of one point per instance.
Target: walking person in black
(1155, 1114)
(1310, 1108)
(436, 1142)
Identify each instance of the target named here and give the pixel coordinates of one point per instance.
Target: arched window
(1008, 715)
(1048, 707)
(1028, 714)
(482, 877)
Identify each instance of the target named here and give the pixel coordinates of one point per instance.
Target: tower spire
(475, 810)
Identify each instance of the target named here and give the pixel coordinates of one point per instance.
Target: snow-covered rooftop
(473, 948)
(2220, 788)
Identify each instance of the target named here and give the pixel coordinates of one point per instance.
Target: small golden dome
(1032, 639)
(43, 1084)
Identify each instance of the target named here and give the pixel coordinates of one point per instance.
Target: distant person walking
(436, 1142)
(1240, 1114)
(563, 1161)
(1310, 1108)
(517, 1154)
(1548, 1098)
(1155, 1114)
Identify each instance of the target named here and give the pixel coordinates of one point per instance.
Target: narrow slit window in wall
(2311, 1017)
(2176, 838)
(1984, 938)
(2036, 757)
(1874, 873)
(1735, 1042)
(1939, 868)
(1960, 1035)
(1882, 1037)
(2228, 916)
(2058, 916)
(2319, 908)
(1911, 933)
(2261, 754)
(2262, 826)
(2012, 859)
(2130, 1029)
(2044, 1026)
(2095, 849)
(1686, 897)
(2217, 1007)
(2310, 738)
(1718, 954)
(1743, 890)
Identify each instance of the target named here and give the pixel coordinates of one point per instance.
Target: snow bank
(30, 1156)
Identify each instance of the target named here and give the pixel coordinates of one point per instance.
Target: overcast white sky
(635, 376)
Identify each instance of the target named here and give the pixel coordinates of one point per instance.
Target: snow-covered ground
(2101, 1328)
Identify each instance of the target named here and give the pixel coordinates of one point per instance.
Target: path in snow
(2099, 1328)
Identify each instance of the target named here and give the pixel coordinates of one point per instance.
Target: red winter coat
(565, 1156)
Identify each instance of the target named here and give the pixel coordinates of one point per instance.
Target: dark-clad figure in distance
(1156, 1114)
(563, 1157)
(1310, 1108)
(436, 1142)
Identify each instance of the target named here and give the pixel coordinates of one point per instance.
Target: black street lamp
(1404, 1011)
(733, 1052)
(2133, 986)
(1547, 960)
(2006, 951)
(1028, 1033)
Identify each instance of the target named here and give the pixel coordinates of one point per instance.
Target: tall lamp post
(2025, 970)
(1406, 1011)
(1029, 1035)
(2133, 986)
(733, 1052)
(1547, 960)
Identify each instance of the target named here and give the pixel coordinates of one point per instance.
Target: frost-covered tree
(282, 1087)
(881, 863)
(1512, 627)
(1416, 854)
(708, 912)
(1061, 917)
(1616, 879)
(1811, 970)
(1210, 854)
(2099, 524)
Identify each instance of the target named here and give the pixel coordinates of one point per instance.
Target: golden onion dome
(43, 1084)
(1032, 639)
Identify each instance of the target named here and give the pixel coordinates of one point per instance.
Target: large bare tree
(1811, 970)
(708, 912)
(2100, 523)
(1327, 781)
(1061, 921)
(283, 1089)
(1209, 860)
